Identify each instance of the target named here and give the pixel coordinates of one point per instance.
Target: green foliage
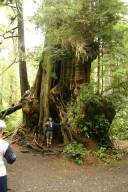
(70, 28)
(35, 56)
(108, 156)
(76, 151)
(13, 121)
(74, 115)
(76, 24)
(86, 93)
(101, 122)
(101, 153)
(98, 129)
(92, 115)
(8, 83)
(119, 127)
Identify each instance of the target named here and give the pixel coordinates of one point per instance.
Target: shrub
(119, 127)
(13, 121)
(101, 153)
(92, 115)
(74, 115)
(76, 152)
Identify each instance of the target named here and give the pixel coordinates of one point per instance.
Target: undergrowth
(77, 152)
(13, 121)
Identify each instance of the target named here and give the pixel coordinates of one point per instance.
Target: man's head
(2, 126)
(50, 119)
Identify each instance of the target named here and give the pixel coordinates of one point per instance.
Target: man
(7, 153)
(49, 128)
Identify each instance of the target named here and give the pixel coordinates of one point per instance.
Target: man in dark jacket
(50, 126)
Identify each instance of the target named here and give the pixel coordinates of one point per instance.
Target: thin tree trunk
(98, 69)
(1, 87)
(24, 84)
(102, 79)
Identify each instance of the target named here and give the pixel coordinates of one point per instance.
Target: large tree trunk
(50, 96)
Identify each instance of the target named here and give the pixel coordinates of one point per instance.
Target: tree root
(33, 147)
(44, 150)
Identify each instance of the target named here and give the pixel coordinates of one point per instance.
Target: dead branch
(11, 36)
(12, 5)
(10, 31)
(10, 110)
(12, 19)
(6, 136)
(14, 107)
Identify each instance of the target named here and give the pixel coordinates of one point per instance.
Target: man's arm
(56, 125)
(9, 155)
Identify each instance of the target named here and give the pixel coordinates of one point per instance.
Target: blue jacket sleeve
(9, 155)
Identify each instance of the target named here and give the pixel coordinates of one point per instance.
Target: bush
(101, 153)
(13, 121)
(92, 115)
(76, 152)
(119, 127)
(74, 115)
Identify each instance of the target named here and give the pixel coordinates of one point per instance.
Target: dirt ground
(34, 172)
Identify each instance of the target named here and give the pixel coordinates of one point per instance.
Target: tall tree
(73, 36)
(24, 84)
(17, 7)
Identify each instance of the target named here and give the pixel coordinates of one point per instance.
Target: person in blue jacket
(50, 126)
(7, 153)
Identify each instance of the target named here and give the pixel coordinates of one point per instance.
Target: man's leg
(48, 138)
(3, 184)
(47, 141)
(51, 136)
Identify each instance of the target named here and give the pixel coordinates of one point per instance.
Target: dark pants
(3, 184)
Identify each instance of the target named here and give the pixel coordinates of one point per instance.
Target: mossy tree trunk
(50, 96)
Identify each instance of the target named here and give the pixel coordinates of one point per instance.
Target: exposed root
(24, 139)
(44, 150)
(33, 147)
(37, 143)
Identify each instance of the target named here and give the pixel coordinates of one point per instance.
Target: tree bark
(24, 84)
(53, 95)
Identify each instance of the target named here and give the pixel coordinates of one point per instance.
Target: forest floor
(34, 172)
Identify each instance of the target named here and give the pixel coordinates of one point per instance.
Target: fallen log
(14, 107)
(10, 110)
